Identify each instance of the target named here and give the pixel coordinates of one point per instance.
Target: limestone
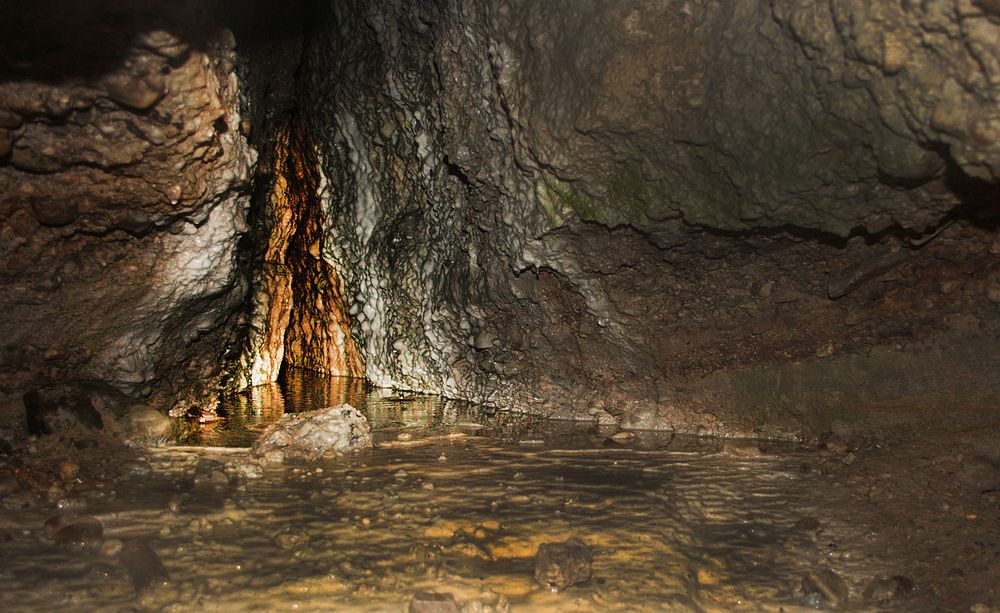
(126, 179)
(528, 203)
(313, 434)
(533, 205)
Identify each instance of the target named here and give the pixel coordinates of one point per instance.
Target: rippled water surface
(451, 500)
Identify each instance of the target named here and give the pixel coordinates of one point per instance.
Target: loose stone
(882, 590)
(560, 565)
(433, 602)
(76, 531)
(310, 435)
(828, 585)
(143, 565)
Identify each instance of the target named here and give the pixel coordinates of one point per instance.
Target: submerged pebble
(143, 565)
(882, 590)
(827, 584)
(433, 602)
(560, 565)
(77, 531)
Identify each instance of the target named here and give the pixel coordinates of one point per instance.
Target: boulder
(314, 434)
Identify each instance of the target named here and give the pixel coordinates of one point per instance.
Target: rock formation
(738, 217)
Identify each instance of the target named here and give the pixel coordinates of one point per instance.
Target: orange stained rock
(300, 317)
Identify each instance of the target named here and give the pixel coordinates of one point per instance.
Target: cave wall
(580, 208)
(127, 169)
(691, 215)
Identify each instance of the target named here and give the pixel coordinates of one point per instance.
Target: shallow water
(459, 505)
(388, 411)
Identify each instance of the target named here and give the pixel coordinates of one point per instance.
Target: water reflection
(393, 412)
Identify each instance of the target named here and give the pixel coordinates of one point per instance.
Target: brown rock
(69, 469)
(828, 584)
(75, 530)
(6, 142)
(433, 602)
(882, 590)
(9, 120)
(143, 565)
(137, 93)
(55, 213)
(560, 565)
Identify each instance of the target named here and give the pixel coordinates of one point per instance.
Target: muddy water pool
(450, 500)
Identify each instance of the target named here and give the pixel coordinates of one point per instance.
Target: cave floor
(445, 503)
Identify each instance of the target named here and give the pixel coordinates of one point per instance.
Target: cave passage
(500, 305)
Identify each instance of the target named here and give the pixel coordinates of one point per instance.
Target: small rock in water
(143, 565)
(837, 446)
(69, 469)
(433, 602)
(825, 351)
(219, 477)
(882, 590)
(111, 547)
(205, 469)
(813, 601)
(623, 436)
(828, 585)
(291, 540)
(75, 530)
(808, 524)
(310, 435)
(560, 565)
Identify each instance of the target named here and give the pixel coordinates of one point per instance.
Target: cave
(468, 305)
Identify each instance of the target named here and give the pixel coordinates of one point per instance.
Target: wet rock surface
(825, 589)
(884, 590)
(143, 565)
(560, 565)
(587, 210)
(433, 602)
(619, 212)
(313, 434)
(582, 211)
(78, 531)
(125, 180)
